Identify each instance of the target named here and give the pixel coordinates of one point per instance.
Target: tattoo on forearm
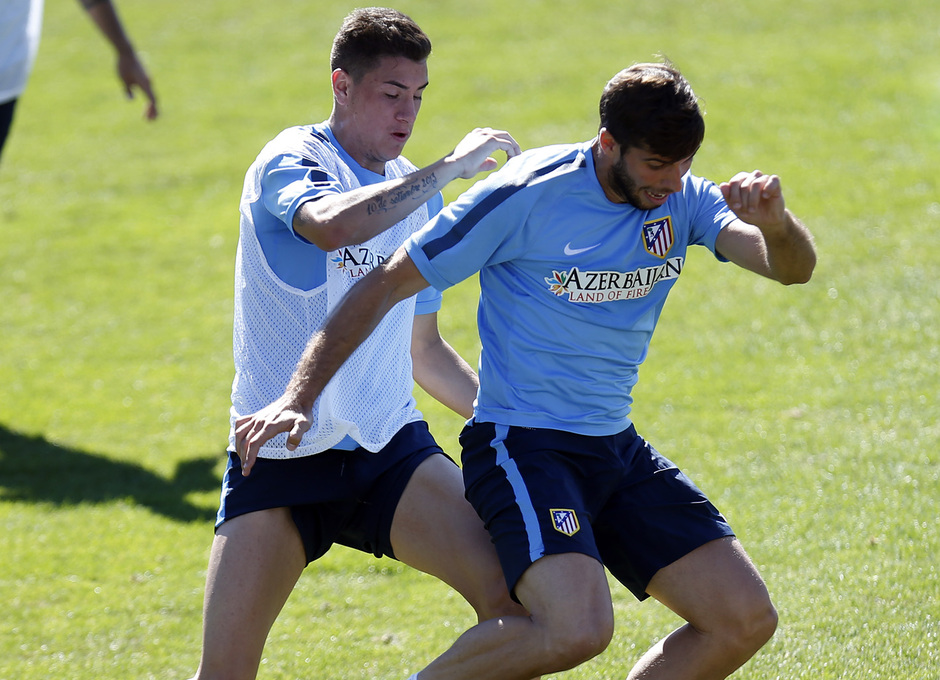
(376, 206)
(413, 191)
(430, 181)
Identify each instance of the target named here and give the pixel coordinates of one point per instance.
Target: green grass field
(809, 414)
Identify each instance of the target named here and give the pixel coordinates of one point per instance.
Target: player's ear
(341, 81)
(608, 144)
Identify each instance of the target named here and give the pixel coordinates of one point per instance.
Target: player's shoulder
(547, 168)
(547, 158)
(698, 195)
(695, 185)
(291, 136)
(308, 141)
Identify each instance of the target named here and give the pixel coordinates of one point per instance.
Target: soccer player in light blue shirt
(555, 261)
(577, 247)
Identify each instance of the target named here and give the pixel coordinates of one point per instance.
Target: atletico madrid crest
(658, 236)
(565, 521)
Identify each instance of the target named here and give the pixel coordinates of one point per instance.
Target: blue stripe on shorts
(523, 500)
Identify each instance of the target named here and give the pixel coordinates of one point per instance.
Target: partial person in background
(20, 30)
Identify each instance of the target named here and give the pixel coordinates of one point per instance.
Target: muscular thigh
(437, 531)
(434, 524)
(713, 581)
(383, 478)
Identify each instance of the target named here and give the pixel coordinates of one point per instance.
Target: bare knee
(571, 623)
(568, 646)
(763, 624)
(750, 627)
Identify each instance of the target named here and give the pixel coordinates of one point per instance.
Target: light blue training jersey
(572, 284)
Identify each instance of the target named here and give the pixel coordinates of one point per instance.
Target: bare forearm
(356, 216)
(767, 238)
(329, 348)
(791, 254)
(350, 323)
(105, 16)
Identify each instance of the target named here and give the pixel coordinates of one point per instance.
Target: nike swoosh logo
(577, 251)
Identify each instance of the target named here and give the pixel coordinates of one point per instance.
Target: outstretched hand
(133, 74)
(755, 198)
(474, 152)
(255, 430)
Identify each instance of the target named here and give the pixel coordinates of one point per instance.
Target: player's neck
(345, 134)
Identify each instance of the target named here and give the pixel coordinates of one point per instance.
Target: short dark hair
(652, 106)
(371, 33)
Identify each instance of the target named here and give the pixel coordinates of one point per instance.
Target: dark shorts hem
(337, 496)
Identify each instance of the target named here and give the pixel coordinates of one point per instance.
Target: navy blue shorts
(6, 120)
(546, 492)
(345, 497)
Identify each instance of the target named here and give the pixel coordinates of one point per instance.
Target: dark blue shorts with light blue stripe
(544, 492)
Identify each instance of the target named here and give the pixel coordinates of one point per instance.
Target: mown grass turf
(809, 414)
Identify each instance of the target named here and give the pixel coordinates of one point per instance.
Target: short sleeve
(709, 215)
(289, 181)
(428, 301)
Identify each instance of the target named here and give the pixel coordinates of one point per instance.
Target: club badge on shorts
(565, 521)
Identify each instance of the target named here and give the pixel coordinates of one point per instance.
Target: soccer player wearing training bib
(321, 206)
(577, 247)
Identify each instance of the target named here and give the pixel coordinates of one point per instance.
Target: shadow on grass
(33, 469)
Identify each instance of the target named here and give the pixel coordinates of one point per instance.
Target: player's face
(645, 180)
(381, 109)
